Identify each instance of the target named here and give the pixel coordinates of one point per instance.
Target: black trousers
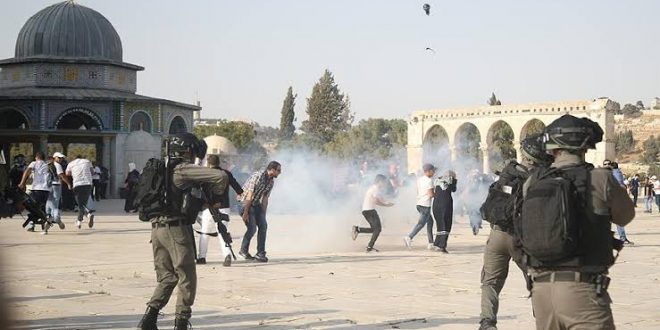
(635, 194)
(82, 195)
(41, 197)
(374, 222)
(104, 189)
(97, 190)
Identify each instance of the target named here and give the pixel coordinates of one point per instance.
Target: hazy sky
(241, 56)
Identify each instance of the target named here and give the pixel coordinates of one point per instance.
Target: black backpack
(504, 197)
(553, 207)
(52, 174)
(150, 190)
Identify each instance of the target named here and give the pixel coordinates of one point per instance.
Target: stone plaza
(101, 278)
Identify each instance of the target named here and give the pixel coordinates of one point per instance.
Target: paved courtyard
(317, 279)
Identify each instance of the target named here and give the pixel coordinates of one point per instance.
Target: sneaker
(488, 324)
(246, 255)
(430, 247)
(227, 262)
(371, 249)
(475, 230)
(61, 224)
(443, 250)
(627, 242)
(354, 232)
(91, 221)
(201, 261)
(78, 224)
(261, 258)
(407, 241)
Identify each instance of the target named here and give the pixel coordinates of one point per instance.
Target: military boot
(488, 324)
(182, 324)
(148, 321)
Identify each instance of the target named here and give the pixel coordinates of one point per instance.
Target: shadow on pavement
(203, 319)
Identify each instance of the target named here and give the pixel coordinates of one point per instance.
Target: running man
(53, 204)
(373, 198)
(81, 170)
(424, 196)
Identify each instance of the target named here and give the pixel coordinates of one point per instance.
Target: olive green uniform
(569, 299)
(174, 245)
(499, 252)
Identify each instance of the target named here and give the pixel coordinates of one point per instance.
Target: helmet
(570, 132)
(186, 142)
(532, 148)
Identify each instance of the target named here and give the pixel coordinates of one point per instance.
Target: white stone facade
(517, 116)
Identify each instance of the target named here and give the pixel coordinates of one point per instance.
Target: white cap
(58, 155)
(654, 177)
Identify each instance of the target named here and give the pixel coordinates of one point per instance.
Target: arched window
(178, 125)
(13, 119)
(79, 119)
(140, 121)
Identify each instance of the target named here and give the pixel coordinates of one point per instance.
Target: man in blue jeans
(424, 195)
(53, 203)
(255, 204)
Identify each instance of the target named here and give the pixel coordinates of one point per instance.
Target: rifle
(218, 217)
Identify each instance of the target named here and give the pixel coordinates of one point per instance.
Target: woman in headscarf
(130, 182)
(443, 208)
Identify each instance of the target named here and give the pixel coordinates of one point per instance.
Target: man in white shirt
(39, 190)
(373, 198)
(424, 195)
(58, 177)
(81, 170)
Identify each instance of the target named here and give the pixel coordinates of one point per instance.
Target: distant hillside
(642, 127)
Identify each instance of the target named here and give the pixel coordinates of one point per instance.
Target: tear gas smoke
(325, 194)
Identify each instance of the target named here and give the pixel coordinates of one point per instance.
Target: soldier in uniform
(572, 293)
(172, 236)
(501, 246)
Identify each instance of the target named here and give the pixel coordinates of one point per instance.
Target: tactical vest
(181, 204)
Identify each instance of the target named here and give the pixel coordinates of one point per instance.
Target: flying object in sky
(427, 9)
(429, 49)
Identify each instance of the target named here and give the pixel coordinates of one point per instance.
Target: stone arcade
(68, 83)
(437, 135)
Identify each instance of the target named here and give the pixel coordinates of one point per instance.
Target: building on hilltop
(68, 84)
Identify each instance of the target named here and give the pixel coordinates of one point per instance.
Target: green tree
(624, 142)
(239, 133)
(639, 105)
(534, 127)
(328, 110)
(651, 149)
(493, 100)
(468, 142)
(630, 109)
(370, 138)
(287, 130)
(502, 148)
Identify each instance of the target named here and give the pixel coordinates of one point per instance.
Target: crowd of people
(516, 203)
(57, 185)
